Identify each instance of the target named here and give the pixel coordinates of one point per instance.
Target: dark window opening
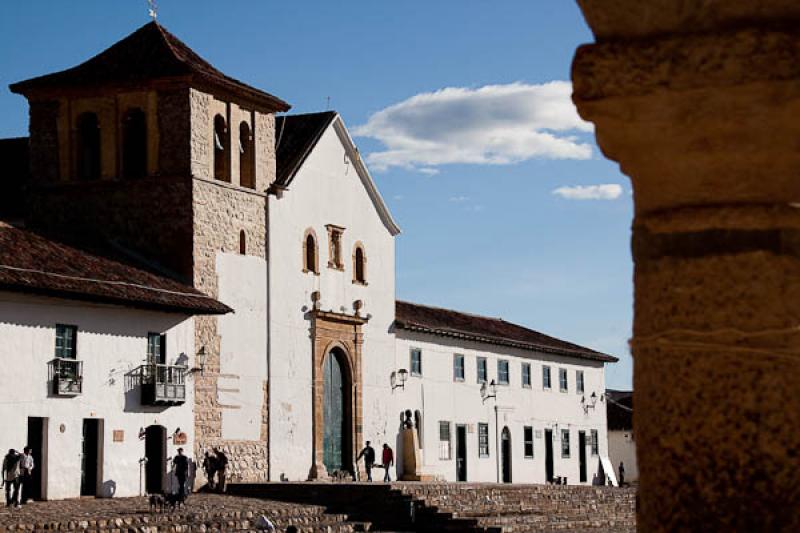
(311, 253)
(221, 149)
(134, 144)
(246, 162)
(359, 266)
(88, 147)
(242, 243)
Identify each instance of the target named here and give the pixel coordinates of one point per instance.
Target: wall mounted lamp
(488, 392)
(398, 379)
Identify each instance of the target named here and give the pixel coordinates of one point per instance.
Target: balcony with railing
(162, 384)
(66, 376)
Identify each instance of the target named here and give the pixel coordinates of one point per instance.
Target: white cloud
(429, 171)
(459, 199)
(398, 197)
(607, 191)
(495, 124)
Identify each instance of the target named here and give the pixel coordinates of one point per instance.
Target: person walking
(368, 453)
(26, 467)
(181, 465)
(621, 474)
(222, 467)
(210, 468)
(11, 474)
(388, 461)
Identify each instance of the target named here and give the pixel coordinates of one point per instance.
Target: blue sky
(469, 172)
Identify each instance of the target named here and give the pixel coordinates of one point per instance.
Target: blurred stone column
(699, 102)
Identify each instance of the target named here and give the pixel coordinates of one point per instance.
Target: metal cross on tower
(153, 11)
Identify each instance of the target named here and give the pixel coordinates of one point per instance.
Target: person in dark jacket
(222, 467)
(11, 477)
(368, 453)
(181, 465)
(210, 468)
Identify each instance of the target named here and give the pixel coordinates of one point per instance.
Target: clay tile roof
(149, 53)
(295, 137)
(455, 324)
(30, 263)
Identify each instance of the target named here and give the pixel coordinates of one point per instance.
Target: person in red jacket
(388, 461)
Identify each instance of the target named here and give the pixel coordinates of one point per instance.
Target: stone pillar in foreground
(699, 102)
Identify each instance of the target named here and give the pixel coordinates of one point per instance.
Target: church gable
(299, 146)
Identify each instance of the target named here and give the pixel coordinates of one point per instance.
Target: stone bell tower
(148, 152)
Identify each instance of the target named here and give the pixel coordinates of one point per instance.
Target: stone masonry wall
(221, 212)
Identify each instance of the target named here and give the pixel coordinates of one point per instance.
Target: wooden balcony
(66, 377)
(162, 384)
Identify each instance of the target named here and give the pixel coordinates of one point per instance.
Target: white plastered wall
(111, 342)
(242, 283)
(326, 190)
(440, 398)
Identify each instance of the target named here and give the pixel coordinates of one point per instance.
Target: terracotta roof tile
(455, 324)
(30, 263)
(149, 53)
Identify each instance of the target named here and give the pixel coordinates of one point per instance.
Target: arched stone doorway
(337, 450)
(505, 454)
(337, 341)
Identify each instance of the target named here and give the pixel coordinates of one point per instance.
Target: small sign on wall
(538, 433)
(470, 428)
(180, 439)
(119, 435)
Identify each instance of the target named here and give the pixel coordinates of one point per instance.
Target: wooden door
(333, 414)
(461, 453)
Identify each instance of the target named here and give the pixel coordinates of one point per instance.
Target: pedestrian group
(18, 476)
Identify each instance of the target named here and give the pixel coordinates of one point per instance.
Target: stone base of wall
(247, 460)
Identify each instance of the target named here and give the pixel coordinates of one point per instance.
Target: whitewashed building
(98, 363)
(255, 257)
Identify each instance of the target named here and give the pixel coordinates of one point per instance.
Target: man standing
(26, 465)
(210, 467)
(11, 471)
(181, 465)
(222, 468)
(368, 453)
(388, 461)
(621, 474)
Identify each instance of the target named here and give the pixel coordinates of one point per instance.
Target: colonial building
(271, 255)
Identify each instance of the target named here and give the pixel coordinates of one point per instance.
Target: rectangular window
(444, 440)
(562, 379)
(416, 362)
(458, 367)
(502, 372)
(482, 370)
(564, 443)
(156, 349)
(483, 440)
(546, 377)
(595, 443)
(528, 442)
(526, 375)
(66, 337)
(579, 381)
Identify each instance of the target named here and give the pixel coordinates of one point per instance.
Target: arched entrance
(505, 448)
(336, 413)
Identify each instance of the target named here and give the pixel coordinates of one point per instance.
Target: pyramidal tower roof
(150, 53)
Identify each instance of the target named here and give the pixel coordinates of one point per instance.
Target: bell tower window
(134, 144)
(359, 265)
(221, 152)
(88, 147)
(246, 152)
(310, 252)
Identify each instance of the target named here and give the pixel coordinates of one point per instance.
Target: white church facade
(193, 271)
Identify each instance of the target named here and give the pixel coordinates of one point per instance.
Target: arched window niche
(310, 252)
(359, 264)
(87, 147)
(246, 157)
(242, 243)
(134, 144)
(221, 152)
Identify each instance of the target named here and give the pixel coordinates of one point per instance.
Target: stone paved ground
(204, 512)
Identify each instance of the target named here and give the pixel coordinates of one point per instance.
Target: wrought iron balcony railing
(162, 384)
(66, 376)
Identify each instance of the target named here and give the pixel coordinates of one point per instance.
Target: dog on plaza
(161, 502)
